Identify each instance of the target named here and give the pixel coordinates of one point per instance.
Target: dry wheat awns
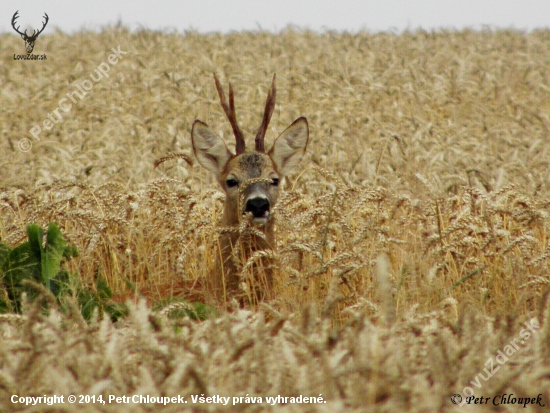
(430, 148)
(412, 241)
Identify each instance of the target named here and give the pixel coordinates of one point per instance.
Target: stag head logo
(29, 40)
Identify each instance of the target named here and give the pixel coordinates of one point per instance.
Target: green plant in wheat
(100, 300)
(37, 260)
(178, 308)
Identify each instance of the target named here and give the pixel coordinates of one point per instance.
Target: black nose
(258, 207)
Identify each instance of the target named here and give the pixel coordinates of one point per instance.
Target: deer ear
(289, 148)
(210, 150)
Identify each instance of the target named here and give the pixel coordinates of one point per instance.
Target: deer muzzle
(259, 207)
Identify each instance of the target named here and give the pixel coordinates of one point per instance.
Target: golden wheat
(413, 243)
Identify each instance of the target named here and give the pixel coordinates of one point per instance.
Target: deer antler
(13, 19)
(269, 107)
(231, 115)
(43, 25)
(34, 32)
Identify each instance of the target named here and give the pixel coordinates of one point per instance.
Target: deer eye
(275, 182)
(231, 183)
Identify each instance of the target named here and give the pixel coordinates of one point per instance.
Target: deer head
(29, 40)
(250, 179)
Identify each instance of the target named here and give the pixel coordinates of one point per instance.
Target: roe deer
(251, 182)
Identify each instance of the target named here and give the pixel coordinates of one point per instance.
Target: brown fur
(250, 165)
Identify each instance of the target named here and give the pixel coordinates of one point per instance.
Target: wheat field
(412, 243)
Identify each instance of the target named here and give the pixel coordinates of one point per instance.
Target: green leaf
(203, 311)
(21, 264)
(104, 292)
(87, 302)
(116, 310)
(35, 234)
(70, 252)
(52, 254)
(4, 252)
(34, 261)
